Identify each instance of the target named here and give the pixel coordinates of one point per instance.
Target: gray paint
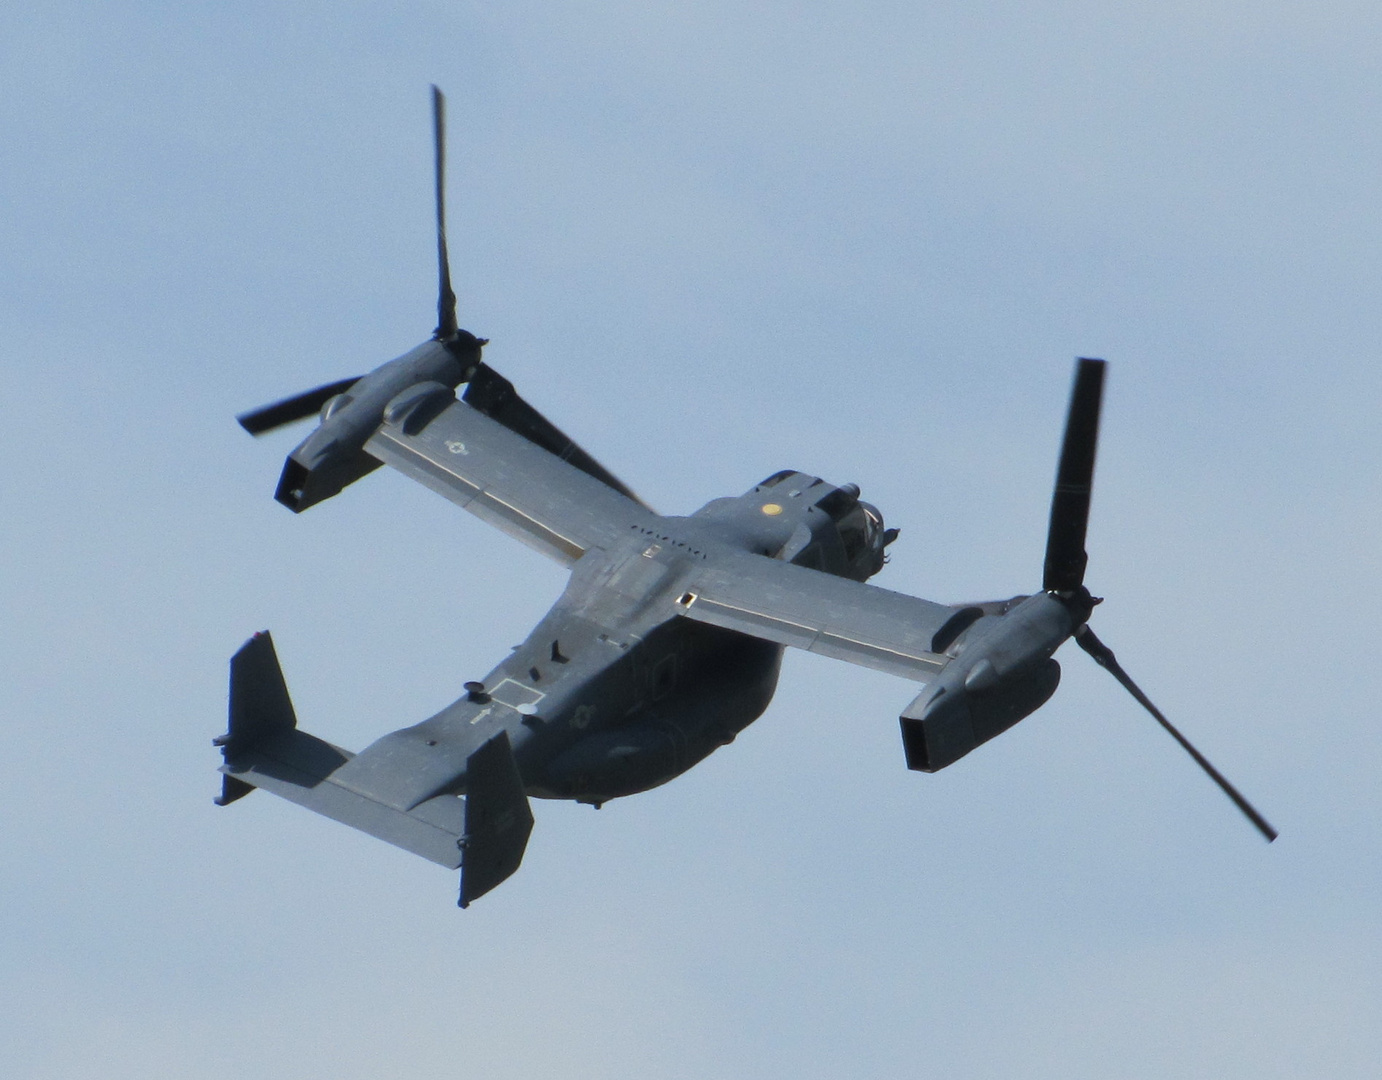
(667, 639)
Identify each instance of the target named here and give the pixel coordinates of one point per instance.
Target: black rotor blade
(1104, 657)
(298, 407)
(1065, 553)
(446, 299)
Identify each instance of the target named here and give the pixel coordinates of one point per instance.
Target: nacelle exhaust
(333, 456)
(1002, 671)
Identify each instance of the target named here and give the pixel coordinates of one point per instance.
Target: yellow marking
(772, 509)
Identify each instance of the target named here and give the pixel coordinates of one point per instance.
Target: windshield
(861, 533)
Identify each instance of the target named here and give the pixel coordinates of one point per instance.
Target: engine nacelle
(1002, 671)
(333, 456)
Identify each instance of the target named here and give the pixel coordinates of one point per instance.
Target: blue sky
(710, 240)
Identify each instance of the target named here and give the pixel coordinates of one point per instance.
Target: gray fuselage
(614, 692)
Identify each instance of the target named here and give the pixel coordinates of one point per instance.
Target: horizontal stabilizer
(264, 749)
(298, 767)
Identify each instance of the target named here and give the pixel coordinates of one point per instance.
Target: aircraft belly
(612, 693)
(722, 694)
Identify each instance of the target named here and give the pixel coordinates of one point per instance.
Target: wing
(492, 394)
(833, 616)
(502, 477)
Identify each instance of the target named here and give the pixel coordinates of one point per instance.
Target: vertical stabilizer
(259, 707)
(498, 819)
(259, 702)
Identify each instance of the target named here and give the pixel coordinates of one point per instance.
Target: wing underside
(563, 511)
(492, 394)
(821, 613)
(504, 478)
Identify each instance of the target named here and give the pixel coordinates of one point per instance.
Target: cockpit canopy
(861, 532)
(858, 524)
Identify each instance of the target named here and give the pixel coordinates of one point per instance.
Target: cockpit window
(861, 533)
(873, 523)
(777, 478)
(854, 533)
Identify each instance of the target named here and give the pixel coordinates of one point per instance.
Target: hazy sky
(711, 240)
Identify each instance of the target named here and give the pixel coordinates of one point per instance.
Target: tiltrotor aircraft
(668, 638)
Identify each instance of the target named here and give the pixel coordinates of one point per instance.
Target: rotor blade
(299, 407)
(1065, 553)
(1104, 657)
(446, 299)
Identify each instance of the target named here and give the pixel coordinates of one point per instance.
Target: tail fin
(259, 707)
(259, 702)
(498, 819)
(264, 749)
